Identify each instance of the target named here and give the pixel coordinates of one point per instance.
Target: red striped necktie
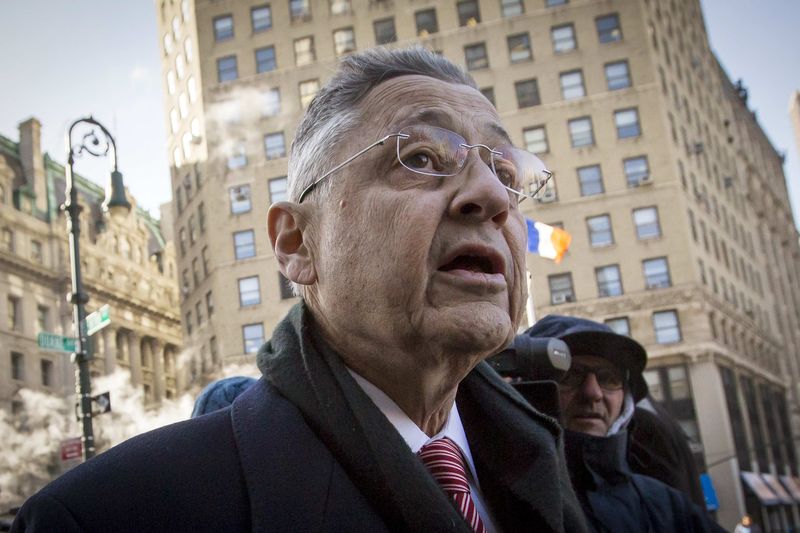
(444, 461)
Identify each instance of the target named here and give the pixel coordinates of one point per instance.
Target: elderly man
(403, 235)
(598, 396)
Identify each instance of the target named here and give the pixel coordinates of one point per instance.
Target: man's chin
(473, 327)
(591, 426)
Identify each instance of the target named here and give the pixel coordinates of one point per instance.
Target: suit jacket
(304, 449)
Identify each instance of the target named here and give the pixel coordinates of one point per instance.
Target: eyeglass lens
(607, 378)
(434, 151)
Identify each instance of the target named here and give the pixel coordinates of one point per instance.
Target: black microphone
(533, 359)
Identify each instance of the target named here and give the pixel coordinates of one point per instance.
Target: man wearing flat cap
(598, 396)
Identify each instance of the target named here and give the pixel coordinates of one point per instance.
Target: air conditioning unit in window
(548, 195)
(647, 179)
(561, 298)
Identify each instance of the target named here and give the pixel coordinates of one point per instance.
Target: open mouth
(475, 263)
(471, 263)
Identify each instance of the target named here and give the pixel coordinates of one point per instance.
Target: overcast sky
(62, 60)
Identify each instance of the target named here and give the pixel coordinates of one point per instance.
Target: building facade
(677, 203)
(126, 264)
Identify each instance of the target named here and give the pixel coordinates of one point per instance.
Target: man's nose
(480, 196)
(591, 387)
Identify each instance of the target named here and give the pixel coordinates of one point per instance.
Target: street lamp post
(115, 197)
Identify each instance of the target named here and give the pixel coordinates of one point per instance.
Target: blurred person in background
(598, 397)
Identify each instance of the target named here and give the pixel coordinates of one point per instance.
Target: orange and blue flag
(547, 241)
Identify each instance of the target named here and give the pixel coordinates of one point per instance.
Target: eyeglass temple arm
(348, 160)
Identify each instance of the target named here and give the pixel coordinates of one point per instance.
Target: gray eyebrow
(435, 117)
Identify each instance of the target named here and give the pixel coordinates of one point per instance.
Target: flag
(547, 241)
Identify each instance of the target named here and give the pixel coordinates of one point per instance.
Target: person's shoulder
(159, 476)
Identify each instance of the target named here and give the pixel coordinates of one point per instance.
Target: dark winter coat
(615, 500)
(305, 449)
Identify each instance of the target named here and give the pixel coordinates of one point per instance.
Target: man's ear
(286, 226)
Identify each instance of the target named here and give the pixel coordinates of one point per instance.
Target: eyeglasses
(433, 151)
(609, 379)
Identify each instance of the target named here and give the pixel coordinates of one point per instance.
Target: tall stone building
(126, 263)
(682, 233)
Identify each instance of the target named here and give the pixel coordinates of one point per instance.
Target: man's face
(401, 257)
(587, 407)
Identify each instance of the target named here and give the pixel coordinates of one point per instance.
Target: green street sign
(98, 320)
(58, 343)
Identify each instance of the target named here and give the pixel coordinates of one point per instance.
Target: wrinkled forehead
(415, 99)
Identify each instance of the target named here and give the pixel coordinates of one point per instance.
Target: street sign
(102, 402)
(58, 343)
(98, 320)
(71, 449)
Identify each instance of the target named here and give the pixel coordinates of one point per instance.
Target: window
(180, 66)
(620, 325)
(344, 41)
(14, 321)
(636, 170)
(476, 56)
(572, 85)
(561, 288)
(253, 335)
(527, 93)
(47, 372)
(42, 318)
(17, 366)
(340, 7)
(237, 157)
(591, 180)
(277, 190)
(36, 251)
(191, 87)
(285, 287)
(512, 8)
(488, 93)
(240, 199)
(244, 244)
(271, 102)
(600, 233)
(608, 30)
(223, 28)
(198, 309)
(646, 222)
(609, 282)
(308, 90)
(209, 304)
(192, 230)
(300, 10)
(274, 146)
(468, 13)
(535, 140)
(666, 327)
(384, 31)
(226, 69)
(7, 240)
(617, 75)
(519, 48)
(580, 132)
(627, 122)
(551, 3)
(249, 291)
(563, 38)
(204, 254)
(265, 59)
(261, 17)
(304, 53)
(196, 271)
(201, 217)
(426, 22)
(168, 42)
(656, 273)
